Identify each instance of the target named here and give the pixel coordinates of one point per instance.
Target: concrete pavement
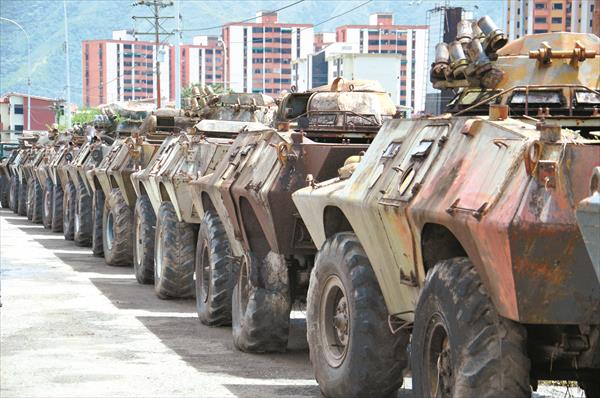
(71, 326)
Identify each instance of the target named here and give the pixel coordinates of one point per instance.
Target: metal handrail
(526, 88)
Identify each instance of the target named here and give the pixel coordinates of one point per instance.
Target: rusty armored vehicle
(117, 123)
(68, 145)
(253, 252)
(99, 137)
(458, 232)
(8, 154)
(20, 177)
(164, 211)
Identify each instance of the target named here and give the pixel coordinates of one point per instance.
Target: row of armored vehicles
(445, 246)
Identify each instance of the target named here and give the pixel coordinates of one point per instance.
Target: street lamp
(28, 69)
(222, 42)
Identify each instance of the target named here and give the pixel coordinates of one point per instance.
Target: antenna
(158, 31)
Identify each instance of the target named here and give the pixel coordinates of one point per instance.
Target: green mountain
(96, 19)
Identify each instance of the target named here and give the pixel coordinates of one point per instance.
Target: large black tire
(47, 204)
(591, 388)
(174, 255)
(82, 232)
(215, 272)
(22, 198)
(117, 235)
(29, 201)
(4, 192)
(57, 208)
(458, 332)
(352, 350)
(144, 223)
(97, 210)
(69, 211)
(37, 211)
(261, 304)
(14, 194)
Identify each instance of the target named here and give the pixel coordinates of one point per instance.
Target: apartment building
(13, 112)
(122, 69)
(382, 36)
(323, 39)
(344, 60)
(541, 16)
(259, 54)
(201, 62)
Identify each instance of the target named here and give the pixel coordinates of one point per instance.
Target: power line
(339, 15)
(242, 21)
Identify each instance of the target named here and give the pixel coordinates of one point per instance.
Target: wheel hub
(438, 359)
(110, 234)
(340, 321)
(334, 321)
(205, 271)
(159, 255)
(138, 242)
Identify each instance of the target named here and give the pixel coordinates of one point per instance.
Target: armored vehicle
(163, 188)
(588, 218)
(57, 202)
(459, 232)
(253, 253)
(7, 156)
(99, 138)
(129, 152)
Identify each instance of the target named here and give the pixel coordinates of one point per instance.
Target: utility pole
(68, 106)
(177, 57)
(157, 31)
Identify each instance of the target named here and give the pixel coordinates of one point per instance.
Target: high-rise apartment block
(122, 69)
(200, 63)
(541, 16)
(382, 36)
(266, 56)
(259, 54)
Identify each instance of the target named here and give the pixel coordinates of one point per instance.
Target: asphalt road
(71, 326)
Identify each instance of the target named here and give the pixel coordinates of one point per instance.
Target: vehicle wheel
(29, 201)
(97, 209)
(144, 221)
(22, 199)
(117, 235)
(591, 388)
(352, 350)
(47, 207)
(57, 208)
(460, 346)
(261, 304)
(215, 272)
(68, 211)
(4, 192)
(14, 193)
(37, 206)
(83, 217)
(174, 255)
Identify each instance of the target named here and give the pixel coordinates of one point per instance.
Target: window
(540, 19)
(540, 6)
(556, 20)
(18, 127)
(557, 6)
(18, 109)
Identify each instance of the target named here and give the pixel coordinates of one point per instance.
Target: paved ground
(72, 326)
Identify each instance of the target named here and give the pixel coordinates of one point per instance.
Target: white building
(259, 55)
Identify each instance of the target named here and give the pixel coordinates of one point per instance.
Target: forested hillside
(96, 19)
